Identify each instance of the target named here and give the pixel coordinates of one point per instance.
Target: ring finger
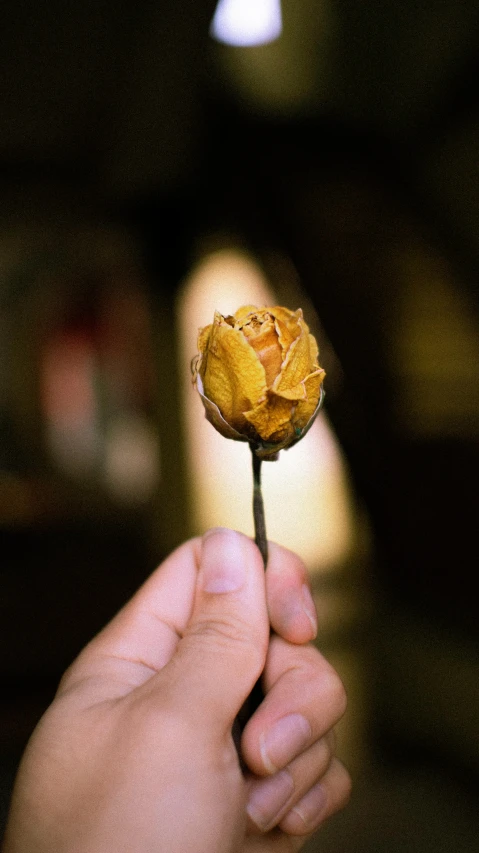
(272, 797)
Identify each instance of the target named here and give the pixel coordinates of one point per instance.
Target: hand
(136, 754)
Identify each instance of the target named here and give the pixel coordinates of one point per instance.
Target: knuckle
(333, 686)
(344, 786)
(324, 755)
(332, 739)
(220, 634)
(220, 629)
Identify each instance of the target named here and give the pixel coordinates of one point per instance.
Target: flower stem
(258, 509)
(256, 696)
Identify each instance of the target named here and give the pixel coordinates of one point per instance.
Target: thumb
(223, 650)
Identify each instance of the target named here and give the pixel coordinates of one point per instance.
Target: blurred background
(159, 160)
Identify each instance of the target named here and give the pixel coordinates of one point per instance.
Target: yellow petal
(232, 374)
(295, 369)
(287, 327)
(290, 319)
(305, 409)
(242, 314)
(263, 337)
(214, 416)
(313, 350)
(203, 338)
(272, 418)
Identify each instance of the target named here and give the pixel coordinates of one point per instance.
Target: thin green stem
(258, 509)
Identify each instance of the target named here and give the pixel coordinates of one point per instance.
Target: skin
(136, 754)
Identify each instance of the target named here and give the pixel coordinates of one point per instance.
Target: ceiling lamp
(246, 23)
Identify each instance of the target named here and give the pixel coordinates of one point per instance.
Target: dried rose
(258, 376)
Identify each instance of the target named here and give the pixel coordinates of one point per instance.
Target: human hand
(136, 753)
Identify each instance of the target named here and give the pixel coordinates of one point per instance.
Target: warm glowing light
(308, 507)
(70, 409)
(245, 23)
(132, 459)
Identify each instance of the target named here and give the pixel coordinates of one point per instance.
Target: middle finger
(304, 699)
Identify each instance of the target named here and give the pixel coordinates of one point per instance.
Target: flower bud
(258, 376)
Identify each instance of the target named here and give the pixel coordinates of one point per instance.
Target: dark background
(351, 148)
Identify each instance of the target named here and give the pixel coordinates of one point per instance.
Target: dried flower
(258, 376)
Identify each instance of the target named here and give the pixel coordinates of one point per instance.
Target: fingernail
(310, 807)
(284, 741)
(309, 608)
(223, 561)
(268, 799)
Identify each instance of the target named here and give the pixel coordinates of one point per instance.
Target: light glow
(69, 371)
(246, 23)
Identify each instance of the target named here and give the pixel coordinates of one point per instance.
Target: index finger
(301, 688)
(291, 608)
